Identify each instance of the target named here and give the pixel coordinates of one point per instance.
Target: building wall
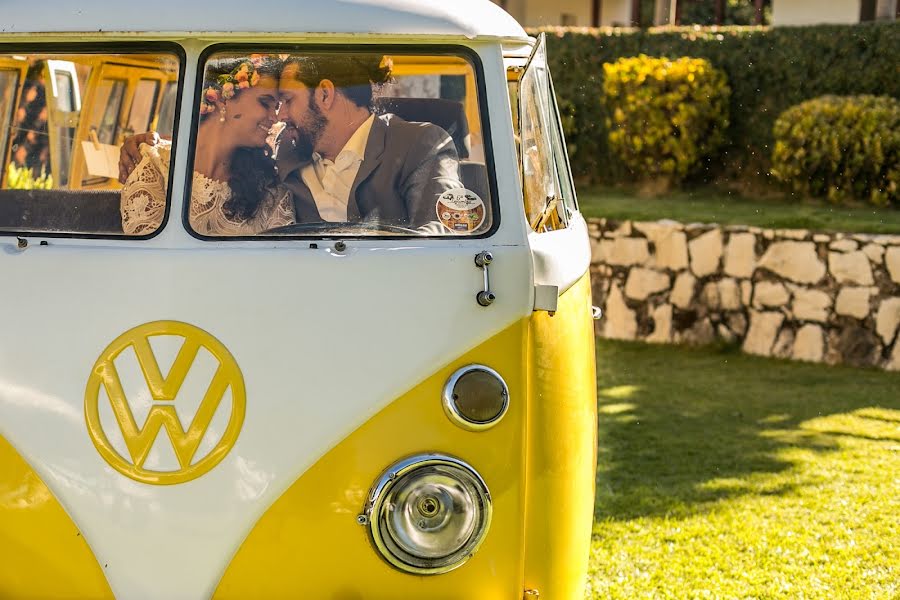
(535, 13)
(616, 13)
(886, 9)
(517, 8)
(813, 12)
(664, 12)
(550, 12)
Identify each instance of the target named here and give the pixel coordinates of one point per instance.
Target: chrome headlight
(428, 514)
(475, 397)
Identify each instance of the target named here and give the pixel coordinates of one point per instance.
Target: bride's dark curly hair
(252, 170)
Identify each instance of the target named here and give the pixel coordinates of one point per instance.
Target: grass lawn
(723, 475)
(709, 205)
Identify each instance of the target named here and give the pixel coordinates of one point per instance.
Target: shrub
(664, 116)
(841, 148)
(768, 71)
(22, 178)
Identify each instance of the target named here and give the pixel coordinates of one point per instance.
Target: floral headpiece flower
(243, 76)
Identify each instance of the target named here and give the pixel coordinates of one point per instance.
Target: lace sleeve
(277, 210)
(143, 199)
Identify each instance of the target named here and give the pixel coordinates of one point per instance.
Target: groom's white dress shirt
(331, 181)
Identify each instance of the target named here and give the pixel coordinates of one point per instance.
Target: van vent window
(546, 177)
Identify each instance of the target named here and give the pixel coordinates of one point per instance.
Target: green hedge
(841, 147)
(768, 70)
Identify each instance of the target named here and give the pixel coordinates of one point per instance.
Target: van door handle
(485, 297)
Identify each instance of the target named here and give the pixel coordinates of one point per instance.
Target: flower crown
(241, 77)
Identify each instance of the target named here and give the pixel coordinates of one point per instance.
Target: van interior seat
(449, 115)
(65, 211)
(474, 177)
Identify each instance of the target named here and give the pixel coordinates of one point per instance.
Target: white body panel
(469, 18)
(324, 341)
(561, 257)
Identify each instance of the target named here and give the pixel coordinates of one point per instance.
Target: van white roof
(460, 18)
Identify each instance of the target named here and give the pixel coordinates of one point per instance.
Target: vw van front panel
(184, 417)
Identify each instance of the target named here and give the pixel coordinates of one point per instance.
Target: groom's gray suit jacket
(406, 167)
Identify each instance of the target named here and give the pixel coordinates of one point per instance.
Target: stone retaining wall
(798, 294)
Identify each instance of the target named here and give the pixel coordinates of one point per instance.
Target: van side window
(165, 118)
(63, 117)
(547, 185)
(10, 76)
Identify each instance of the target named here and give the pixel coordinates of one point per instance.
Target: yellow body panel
(308, 544)
(562, 446)
(539, 464)
(42, 553)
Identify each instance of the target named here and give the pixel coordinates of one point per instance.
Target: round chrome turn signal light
(428, 514)
(475, 397)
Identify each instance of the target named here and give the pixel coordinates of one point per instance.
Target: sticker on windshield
(460, 210)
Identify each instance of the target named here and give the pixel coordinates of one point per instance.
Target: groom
(348, 164)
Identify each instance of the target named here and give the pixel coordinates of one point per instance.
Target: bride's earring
(222, 114)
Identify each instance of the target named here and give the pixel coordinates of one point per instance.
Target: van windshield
(63, 118)
(350, 143)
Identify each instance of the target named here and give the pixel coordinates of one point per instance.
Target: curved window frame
(544, 115)
(106, 48)
(388, 49)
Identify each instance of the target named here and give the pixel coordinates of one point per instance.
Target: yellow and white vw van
(343, 408)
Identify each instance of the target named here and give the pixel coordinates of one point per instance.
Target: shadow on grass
(682, 428)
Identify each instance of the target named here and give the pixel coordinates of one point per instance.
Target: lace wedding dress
(143, 202)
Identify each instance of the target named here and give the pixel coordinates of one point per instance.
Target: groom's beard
(304, 146)
(309, 133)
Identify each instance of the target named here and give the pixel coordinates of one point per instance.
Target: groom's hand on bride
(130, 152)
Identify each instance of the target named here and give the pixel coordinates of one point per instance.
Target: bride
(234, 190)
